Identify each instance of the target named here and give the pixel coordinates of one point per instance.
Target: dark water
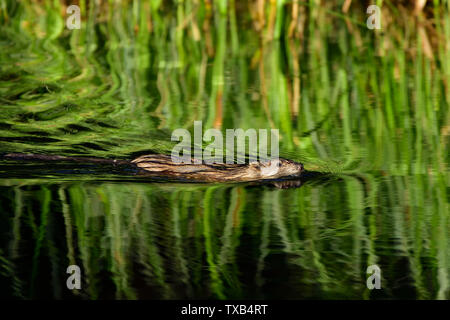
(153, 240)
(378, 124)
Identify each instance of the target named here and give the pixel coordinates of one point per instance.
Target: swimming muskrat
(163, 166)
(271, 169)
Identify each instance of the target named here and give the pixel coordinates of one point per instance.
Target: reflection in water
(141, 240)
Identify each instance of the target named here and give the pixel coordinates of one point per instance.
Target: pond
(368, 107)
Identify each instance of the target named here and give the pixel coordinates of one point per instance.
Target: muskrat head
(276, 168)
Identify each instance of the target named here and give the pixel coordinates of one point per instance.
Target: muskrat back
(157, 164)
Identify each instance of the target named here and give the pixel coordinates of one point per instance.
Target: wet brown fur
(158, 164)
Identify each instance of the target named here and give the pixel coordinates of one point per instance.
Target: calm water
(377, 122)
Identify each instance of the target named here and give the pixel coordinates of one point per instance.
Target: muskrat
(163, 166)
(219, 172)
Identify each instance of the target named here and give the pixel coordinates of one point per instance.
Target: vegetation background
(369, 106)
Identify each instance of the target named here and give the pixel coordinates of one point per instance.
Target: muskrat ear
(255, 165)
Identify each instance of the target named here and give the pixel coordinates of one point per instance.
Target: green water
(369, 107)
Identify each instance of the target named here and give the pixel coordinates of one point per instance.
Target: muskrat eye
(279, 164)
